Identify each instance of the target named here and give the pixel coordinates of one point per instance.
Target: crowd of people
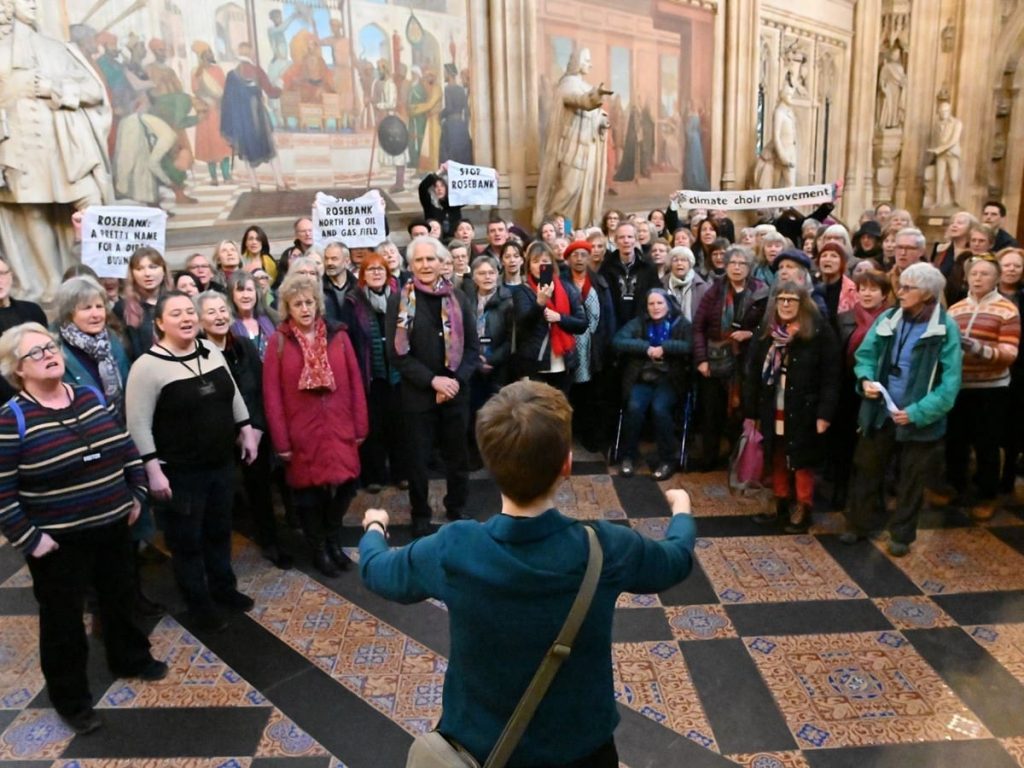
(154, 400)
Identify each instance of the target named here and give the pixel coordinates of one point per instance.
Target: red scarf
(865, 318)
(561, 341)
(316, 368)
(583, 285)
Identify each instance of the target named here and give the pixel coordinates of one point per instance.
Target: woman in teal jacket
(913, 351)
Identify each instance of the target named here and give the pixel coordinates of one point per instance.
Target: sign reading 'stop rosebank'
(472, 184)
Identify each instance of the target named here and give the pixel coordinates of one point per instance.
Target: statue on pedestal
(776, 167)
(942, 176)
(892, 84)
(575, 165)
(54, 122)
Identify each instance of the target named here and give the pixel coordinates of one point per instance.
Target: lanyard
(901, 342)
(199, 361)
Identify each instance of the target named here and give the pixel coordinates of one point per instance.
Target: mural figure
(121, 93)
(52, 147)
(456, 143)
(308, 74)
(145, 158)
(944, 146)
(572, 176)
(344, 84)
(417, 117)
(385, 104)
(429, 110)
(244, 120)
(695, 174)
(892, 84)
(208, 82)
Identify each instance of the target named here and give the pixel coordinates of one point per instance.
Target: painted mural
(657, 57)
(215, 101)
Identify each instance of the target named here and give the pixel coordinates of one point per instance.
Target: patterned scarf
(316, 369)
(98, 348)
(561, 341)
(864, 319)
(451, 319)
(658, 331)
(782, 335)
(728, 309)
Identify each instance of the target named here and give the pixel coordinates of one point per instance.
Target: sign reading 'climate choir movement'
(357, 223)
(750, 199)
(111, 233)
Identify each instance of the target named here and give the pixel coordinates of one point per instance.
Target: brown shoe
(983, 512)
(799, 519)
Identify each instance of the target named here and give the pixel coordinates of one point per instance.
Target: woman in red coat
(316, 412)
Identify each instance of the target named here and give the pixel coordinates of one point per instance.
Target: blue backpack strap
(19, 416)
(99, 395)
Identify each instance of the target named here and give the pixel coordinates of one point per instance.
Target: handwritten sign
(357, 223)
(472, 184)
(111, 233)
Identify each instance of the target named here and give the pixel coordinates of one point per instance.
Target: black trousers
(446, 424)
(1012, 434)
(872, 457)
(382, 454)
(256, 478)
(100, 557)
(714, 410)
(976, 421)
(322, 509)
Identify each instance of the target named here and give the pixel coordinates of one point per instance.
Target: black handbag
(721, 359)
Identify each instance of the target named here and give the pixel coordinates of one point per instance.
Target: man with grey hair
(338, 281)
(912, 352)
(630, 276)
(910, 244)
(432, 343)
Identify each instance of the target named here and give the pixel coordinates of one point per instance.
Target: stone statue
(54, 122)
(776, 167)
(892, 84)
(575, 165)
(944, 146)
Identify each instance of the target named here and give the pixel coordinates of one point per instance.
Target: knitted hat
(792, 254)
(835, 248)
(577, 245)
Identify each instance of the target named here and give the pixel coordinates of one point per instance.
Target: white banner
(733, 200)
(472, 184)
(357, 223)
(111, 233)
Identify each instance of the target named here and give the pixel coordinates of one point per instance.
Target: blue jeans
(198, 531)
(660, 399)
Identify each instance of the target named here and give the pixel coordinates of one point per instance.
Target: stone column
(742, 48)
(857, 194)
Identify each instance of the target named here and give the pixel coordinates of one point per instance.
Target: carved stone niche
(797, 59)
(887, 144)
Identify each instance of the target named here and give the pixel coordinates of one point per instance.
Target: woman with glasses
(71, 483)
(723, 325)
(791, 389)
(381, 454)
(989, 337)
(199, 267)
(913, 351)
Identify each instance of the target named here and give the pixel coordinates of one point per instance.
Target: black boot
(768, 518)
(339, 558)
(142, 606)
(322, 562)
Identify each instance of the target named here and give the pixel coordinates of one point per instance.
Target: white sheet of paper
(893, 408)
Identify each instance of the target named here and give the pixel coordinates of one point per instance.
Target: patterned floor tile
(589, 497)
(21, 679)
(19, 579)
(35, 734)
(283, 738)
(196, 677)
(860, 688)
(771, 760)
(1005, 642)
(711, 496)
(157, 762)
(629, 600)
(754, 569)
(699, 622)
(913, 612)
(652, 679)
(1015, 747)
(961, 560)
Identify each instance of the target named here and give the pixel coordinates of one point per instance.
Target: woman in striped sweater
(989, 336)
(71, 482)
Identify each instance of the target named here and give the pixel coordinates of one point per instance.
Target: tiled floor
(778, 651)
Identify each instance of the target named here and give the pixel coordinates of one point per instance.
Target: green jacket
(935, 367)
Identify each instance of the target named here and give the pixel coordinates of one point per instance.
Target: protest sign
(472, 184)
(111, 233)
(734, 200)
(357, 223)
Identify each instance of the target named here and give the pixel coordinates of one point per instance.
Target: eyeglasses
(38, 353)
(785, 300)
(737, 263)
(907, 248)
(905, 288)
